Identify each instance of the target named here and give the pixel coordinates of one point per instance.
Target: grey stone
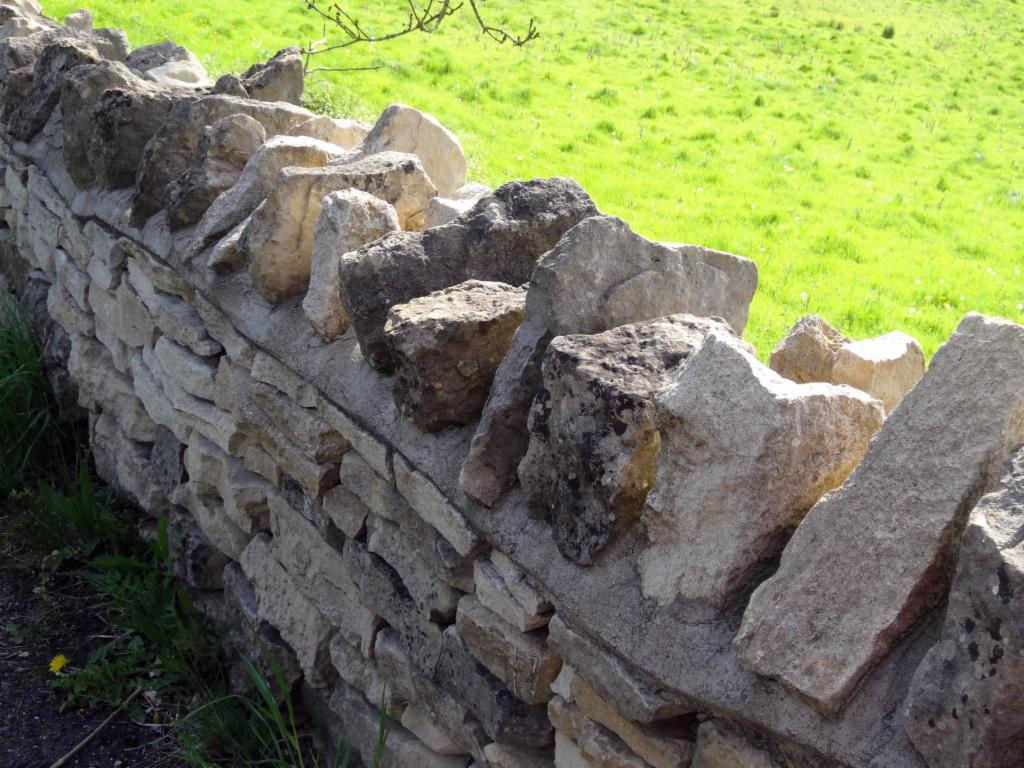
(224, 149)
(721, 747)
(593, 438)
(963, 703)
(56, 60)
(493, 592)
(892, 527)
(499, 240)
(167, 460)
(347, 134)
(599, 276)
(808, 352)
(745, 454)
(197, 561)
(446, 347)
(886, 367)
(279, 79)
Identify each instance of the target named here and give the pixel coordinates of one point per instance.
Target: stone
(722, 747)
(808, 352)
(962, 707)
(124, 120)
(418, 721)
(167, 459)
(124, 464)
(346, 134)
(507, 756)
(103, 388)
(346, 511)
(225, 485)
(172, 314)
(886, 367)
(376, 453)
(224, 149)
(83, 86)
(191, 372)
(603, 749)
(278, 242)
(197, 561)
(170, 152)
(561, 686)
(150, 57)
(523, 661)
(593, 438)
(599, 276)
(229, 85)
(740, 271)
(257, 179)
(56, 60)
(315, 437)
(185, 73)
(494, 593)
(282, 604)
(279, 79)
(404, 129)
(349, 219)
(434, 508)
(661, 745)
(441, 210)
(446, 347)
(567, 753)
(80, 21)
(270, 370)
(504, 717)
(360, 671)
(361, 721)
(519, 584)
(633, 696)
(498, 240)
(891, 529)
(745, 454)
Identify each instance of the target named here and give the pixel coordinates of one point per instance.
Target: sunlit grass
(876, 179)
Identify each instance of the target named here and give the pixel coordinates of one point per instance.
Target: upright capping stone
(593, 440)
(963, 707)
(498, 240)
(893, 527)
(886, 367)
(446, 347)
(808, 352)
(281, 78)
(29, 117)
(599, 276)
(745, 454)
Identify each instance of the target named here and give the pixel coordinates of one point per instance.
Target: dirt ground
(34, 733)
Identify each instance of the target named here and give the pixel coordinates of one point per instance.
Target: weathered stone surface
(360, 722)
(123, 122)
(567, 753)
(158, 56)
(346, 134)
(441, 210)
(83, 86)
(191, 372)
(182, 73)
(635, 698)
(346, 511)
(565, 716)
(167, 458)
(523, 661)
(404, 129)
(282, 604)
(315, 437)
(506, 756)
(886, 367)
(279, 240)
(499, 240)
(494, 593)
(29, 117)
(593, 438)
(808, 352)
(446, 347)
(663, 745)
(419, 721)
(434, 508)
(745, 454)
(891, 529)
(720, 747)
(503, 716)
(740, 271)
(279, 79)
(963, 705)
(172, 314)
(256, 181)
(599, 276)
(103, 388)
(197, 561)
(349, 219)
(170, 152)
(601, 748)
(124, 464)
(80, 21)
(360, 671)
(224, 149)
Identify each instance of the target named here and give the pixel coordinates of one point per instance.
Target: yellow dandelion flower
(57, 663)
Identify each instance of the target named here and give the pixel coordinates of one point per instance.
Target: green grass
(866, 153)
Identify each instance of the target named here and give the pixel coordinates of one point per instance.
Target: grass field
(876, 179)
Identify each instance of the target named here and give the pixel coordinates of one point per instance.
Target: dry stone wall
(494, 461)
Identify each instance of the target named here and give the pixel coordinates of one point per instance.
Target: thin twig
(78, 747)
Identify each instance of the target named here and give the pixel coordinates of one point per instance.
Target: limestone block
(891, 528)
(745, 454)
(359, 671)
(270, 371)
(562, 685)
(191, 372)
(225, 535)
(376, 453)
(172, 314)
(56, 60)
(280, 602)
(441, 210)
(124, 464)
(434, 508)
(219, 327)
(222, 481)
(507, 756)
(224, 149)
(349, 219)
(80, 21)
(315, 437)
(419, 722)
(808, 352)
(167, 460)
(499, 240)
(633, 696)
(180, 74)
(446, 347)
(279, 240)
(740, 271)
(344, 133)
(886, 367)
(962, 707)
(278, 79)
(523, 661)
(152, 57)
(599, 276)
(404, 129)
(346, 511)
(102, 388)
(197, 561)
(519, 584)
(603, 749)
(67, 314)
(72, 279)
(567, 753)
(721, 747)
(494, 593)
(566, 717)
(662, 746)
(593, 437)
